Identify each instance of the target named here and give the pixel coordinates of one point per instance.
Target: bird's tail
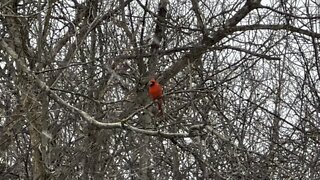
(160, 106)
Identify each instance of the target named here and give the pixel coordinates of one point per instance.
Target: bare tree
(241, 82)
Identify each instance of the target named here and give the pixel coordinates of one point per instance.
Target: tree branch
(206, 43)
(275, 27)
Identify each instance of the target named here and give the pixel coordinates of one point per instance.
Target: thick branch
(221, 33)
(290, 14)
(275, 27)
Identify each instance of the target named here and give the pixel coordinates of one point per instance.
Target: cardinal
(155, 92)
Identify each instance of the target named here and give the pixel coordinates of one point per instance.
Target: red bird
(155, 92)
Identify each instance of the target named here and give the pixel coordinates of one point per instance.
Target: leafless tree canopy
(241, 82)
